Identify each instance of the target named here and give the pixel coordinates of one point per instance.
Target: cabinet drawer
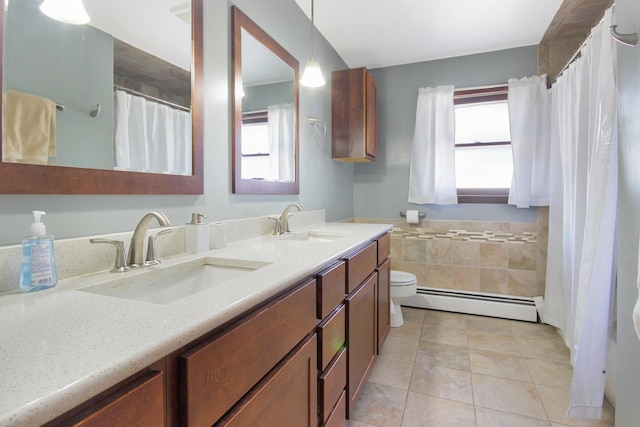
(384, 248)
(331, 336)
(140, 403)
(360, 265)
(331, 384)
(330, 288)
(287, 397)
(338, 417)
(218, 372)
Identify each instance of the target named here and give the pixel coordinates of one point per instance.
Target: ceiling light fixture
(67, 11)
(312, 76)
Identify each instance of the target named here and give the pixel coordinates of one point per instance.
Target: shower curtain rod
(151, 98)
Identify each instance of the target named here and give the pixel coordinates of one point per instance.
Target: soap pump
(196, 234)
(38, 264)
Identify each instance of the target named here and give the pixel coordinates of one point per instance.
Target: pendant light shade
(68, 11)
(312, 75)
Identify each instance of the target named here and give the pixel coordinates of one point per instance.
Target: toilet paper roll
(412, 217)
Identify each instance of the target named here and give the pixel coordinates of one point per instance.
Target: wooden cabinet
(287, 397)
(384, 303)
(332, 353)
(354, 116)
(138, 403)
(384, 290)
(361, 336)
(216, 374)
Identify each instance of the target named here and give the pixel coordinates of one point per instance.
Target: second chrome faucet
(282, 223)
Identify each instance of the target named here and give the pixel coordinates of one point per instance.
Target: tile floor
(449, 369)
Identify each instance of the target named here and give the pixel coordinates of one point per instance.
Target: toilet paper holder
(421, 214)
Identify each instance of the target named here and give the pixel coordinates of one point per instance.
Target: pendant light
(67, 11)
(312, 76)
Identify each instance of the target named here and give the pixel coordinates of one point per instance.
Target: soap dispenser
(38, 265)
(196, 234)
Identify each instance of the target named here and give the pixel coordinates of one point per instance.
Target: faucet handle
(121, 258)
(152, 256)
(277, 230)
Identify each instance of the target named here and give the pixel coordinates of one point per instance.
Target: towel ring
(626, 39)
(319, 126)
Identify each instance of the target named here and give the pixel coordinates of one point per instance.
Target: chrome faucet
(136, 256)
(282, 223)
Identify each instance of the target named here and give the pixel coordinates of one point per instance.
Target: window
(484, 163)
(255, 146)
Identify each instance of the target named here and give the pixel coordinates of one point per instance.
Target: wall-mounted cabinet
(354, 116)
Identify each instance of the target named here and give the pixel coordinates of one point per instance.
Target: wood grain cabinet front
(361, 337)
(330, 288)
(139, 403)
(331, 336)
(216, 374)
(287, 397)
(331, 385)
(354, 116)
(360, 264)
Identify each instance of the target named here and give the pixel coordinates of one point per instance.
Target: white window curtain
(529, 122)
(151, 137)
(582, 216)
(432, 175)
(281, 142)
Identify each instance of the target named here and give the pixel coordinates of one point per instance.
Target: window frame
(476, 96)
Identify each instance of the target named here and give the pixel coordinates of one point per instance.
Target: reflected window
(255, 146)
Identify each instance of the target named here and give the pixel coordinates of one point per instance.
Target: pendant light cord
(312, 27)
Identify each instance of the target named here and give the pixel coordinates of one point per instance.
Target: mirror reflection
(268, 124)
(265, 112)
(114, 94)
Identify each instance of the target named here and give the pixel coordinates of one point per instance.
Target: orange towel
(29, 128)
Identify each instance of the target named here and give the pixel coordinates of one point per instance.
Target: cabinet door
(287, 397)
(361, 337)
(371, 144)
(384, 303)
(140, 403)
(218, 372)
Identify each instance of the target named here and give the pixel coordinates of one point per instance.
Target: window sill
(483, 195)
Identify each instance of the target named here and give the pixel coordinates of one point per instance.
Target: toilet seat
(402, 278)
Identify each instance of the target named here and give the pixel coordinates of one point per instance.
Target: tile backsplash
(495, 257)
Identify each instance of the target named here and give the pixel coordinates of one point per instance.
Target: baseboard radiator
(483, 304)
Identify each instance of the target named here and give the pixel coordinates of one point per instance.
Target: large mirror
(126, 92)
(265, 112)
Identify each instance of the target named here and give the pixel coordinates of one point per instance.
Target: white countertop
(60, 346)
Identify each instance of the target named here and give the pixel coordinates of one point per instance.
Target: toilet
(403, 286)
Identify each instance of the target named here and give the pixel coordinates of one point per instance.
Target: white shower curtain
(529, 123)
(151, 137)
(582, 216)
(281, 142)
(432, 175)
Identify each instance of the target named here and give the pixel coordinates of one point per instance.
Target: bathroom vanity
(290, 341)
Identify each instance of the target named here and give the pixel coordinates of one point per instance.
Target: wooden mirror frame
(38, 179)
(241, 21)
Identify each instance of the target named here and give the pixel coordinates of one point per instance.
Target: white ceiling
(380, 33)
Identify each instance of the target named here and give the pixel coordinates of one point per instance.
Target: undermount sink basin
(316, 236)
(163, 286)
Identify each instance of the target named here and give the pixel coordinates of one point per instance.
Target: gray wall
(381, 188)
(628, 345)
(260, 97)
(323, 182)
(71, 65)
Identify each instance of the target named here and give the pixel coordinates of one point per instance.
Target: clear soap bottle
(38, 269)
